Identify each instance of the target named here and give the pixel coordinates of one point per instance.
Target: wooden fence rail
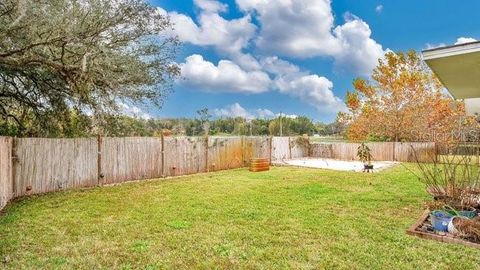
(38, 165)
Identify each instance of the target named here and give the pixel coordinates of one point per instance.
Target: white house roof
(457, 67)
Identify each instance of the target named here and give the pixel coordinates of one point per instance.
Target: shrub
(452, 179)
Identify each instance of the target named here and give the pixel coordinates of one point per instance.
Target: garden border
(442, 238)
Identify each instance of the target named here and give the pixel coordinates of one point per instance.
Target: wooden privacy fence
(38, 165)
(44, 165)
(284, 148)
(381, 151)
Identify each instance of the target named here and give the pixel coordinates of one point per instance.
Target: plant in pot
(445, 218)
(363, 153)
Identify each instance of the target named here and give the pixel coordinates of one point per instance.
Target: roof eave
(451, 50)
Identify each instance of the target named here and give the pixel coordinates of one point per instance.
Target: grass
(284, 218)
(472, 159)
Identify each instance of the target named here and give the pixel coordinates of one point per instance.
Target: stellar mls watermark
(460, 135)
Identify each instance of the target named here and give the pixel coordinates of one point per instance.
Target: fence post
(206, 154)
(394, 151)
(99, 160)
(13, 162)
(309, 154)
(242, 141)
(162, 152)
(289, 148)
(271, 145)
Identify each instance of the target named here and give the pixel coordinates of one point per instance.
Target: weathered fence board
(280, 148)
(44, 165)
(134, 158)
(381, 151)
(411, 151)
(321, 150)
(299, 147)
(6, 181)
(255, 147)
(225, 153)
(345, 151)
(464, 149)
(185, 155)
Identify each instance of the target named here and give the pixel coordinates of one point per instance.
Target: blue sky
(256, 58)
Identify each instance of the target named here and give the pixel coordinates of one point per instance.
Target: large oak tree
(59, 56)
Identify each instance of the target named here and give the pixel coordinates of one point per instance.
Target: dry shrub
(450, 178)
(468, 228)
(435, 205)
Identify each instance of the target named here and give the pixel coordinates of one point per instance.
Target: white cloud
(430, 46)
(234, 110)
(229, 37)
(287, 79)
(300, 28)
(462, 40)
(297, 28)
(359, 52)
(265, 114)
(226, 76)
(245, 60)
(133, 111)
(277, 66)
(313, 90)
(379, 8)
(310, 88)
(305, 28)
(291, 116)
(294, 28)
(211, 5)
(213, 30)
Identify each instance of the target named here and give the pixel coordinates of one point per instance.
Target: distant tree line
(80, 125)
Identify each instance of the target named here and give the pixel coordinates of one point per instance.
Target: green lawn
(284, 218)
(459, 159)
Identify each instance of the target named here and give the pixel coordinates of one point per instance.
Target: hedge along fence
(39, 165)
(381, 151)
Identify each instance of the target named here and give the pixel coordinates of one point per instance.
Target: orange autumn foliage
(403, 101)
